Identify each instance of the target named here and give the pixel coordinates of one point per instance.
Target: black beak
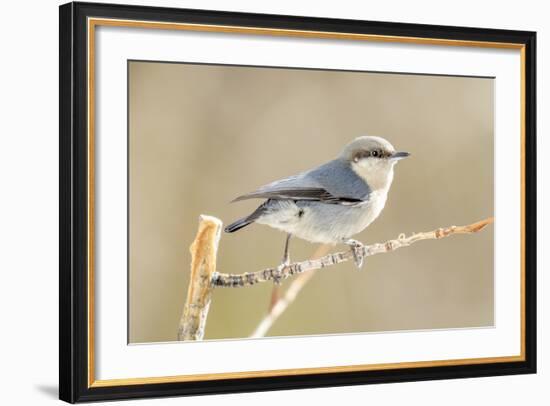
(399, 155)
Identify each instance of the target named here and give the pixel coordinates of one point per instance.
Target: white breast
(371, 209)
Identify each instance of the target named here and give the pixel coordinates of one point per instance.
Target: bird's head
(373, 159)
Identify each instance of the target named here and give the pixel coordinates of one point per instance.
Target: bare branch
(283, 302)
(204, 276)
(274, 274)
(203, 265)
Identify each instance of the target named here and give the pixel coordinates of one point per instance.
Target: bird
(332, 202)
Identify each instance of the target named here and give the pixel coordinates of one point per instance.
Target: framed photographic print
(257, 202)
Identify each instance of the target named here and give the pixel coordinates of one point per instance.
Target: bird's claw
(278, 273)
(358, 252)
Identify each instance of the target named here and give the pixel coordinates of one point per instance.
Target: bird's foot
(358, 251)
(278, 272)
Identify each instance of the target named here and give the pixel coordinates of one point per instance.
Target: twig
(274, 274)
(204, 276)
(279, 306)
(203, 265)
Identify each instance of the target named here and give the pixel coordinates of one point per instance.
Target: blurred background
(200, 135)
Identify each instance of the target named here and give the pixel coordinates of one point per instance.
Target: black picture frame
(74, 383)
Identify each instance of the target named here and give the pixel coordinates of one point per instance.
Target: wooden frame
(77, 24)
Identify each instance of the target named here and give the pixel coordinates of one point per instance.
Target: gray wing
(333, 182)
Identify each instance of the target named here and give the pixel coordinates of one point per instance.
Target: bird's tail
(251, 218)
(237, 225)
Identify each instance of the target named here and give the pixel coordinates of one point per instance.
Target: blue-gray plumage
(330, 182)
(332, 202)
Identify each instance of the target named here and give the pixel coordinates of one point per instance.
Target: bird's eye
(375, 153)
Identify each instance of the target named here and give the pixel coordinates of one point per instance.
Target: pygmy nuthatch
(332, 202)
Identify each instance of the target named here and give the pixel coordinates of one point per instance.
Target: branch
(204, 276)
(275, 274)
(282, 303)
(203, 265)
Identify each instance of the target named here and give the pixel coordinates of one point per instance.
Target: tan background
(201, 135)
